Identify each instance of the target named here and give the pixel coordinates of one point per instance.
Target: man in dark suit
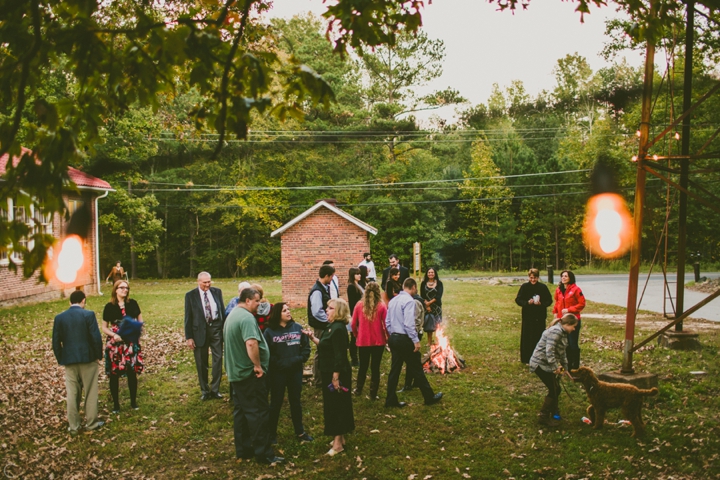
(77, 345)
(204, 318)
(394, 263)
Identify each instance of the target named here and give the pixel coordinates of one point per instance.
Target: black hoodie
(289, 347)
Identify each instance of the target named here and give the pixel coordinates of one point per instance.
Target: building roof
(332, 208)
(80, 178)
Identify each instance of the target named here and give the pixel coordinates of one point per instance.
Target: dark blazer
(404, 273)
(76, 337)
(195, 324)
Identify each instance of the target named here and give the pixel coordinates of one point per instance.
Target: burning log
(442, 357)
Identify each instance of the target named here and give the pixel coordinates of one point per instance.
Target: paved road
(612, 289)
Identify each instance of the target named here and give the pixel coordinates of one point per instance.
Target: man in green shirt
(247, 358)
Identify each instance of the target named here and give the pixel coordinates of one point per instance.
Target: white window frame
(43, 223)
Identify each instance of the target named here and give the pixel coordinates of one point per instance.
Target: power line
(213, 188)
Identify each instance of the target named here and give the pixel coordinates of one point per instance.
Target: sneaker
(305, 437)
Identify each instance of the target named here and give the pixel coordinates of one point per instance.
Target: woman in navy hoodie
(289, 350)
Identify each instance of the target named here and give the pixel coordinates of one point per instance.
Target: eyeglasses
(123, 288)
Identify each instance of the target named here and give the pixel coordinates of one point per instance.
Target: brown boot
(545, 417)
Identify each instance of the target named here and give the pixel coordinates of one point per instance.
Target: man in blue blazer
(77, 345)
(204, 319)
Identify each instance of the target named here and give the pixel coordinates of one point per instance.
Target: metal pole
(684, 165)
(635, 249)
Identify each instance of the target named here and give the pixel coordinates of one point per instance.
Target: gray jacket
(549, 353)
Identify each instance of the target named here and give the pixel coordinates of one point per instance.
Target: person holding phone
(336, 374)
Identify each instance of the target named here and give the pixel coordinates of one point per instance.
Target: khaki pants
(79, 377)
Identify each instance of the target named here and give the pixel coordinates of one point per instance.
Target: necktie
(208, 310)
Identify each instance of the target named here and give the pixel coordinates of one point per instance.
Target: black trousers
(573, 348)
(551, 381)
(290, 379)
(214, 342)
(372, 357)
(402, 351)
(251, 418)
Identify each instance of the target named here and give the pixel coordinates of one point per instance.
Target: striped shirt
(549, 353)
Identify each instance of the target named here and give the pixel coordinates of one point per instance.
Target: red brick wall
(14, 289)
(323, 235)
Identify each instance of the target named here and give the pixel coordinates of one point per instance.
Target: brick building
(323, 232)
(14, 288)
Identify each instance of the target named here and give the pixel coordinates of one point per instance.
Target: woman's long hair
(114, 299)
(371, 300)
(351, 278)
(426, 279)
(393, 271)
(571, 280)
(276, 315)
(342, 310)
(363, 275)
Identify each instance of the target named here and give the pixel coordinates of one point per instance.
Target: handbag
(430, 322)
(130, 329)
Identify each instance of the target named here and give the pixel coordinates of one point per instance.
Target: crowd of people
(265, 350)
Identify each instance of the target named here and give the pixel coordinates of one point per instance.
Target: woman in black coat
(355, 292)
(336, 375)
(534, 298)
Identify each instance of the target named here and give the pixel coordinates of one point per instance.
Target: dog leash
(567, 391)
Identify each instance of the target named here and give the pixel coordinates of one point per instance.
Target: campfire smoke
(442, 357)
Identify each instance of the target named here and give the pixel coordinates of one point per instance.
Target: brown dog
(604, 395)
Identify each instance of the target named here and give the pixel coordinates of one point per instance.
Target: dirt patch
(656, 322)
(708, 286)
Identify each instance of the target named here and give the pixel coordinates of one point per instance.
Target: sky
(486, 46)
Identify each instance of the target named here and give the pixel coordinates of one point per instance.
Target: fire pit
(442, 358)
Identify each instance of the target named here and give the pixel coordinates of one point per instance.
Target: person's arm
(220, 306)
(550, 346)
(522, 298)
(578, 307)
(340, 345)
(556, 308)
(545, 298)
(253, 351)
(316, 306)
(94, 334)
(56, 340)
(382, 317)
(356, 319)
(189, 321)
(408, 312)
(304, 347)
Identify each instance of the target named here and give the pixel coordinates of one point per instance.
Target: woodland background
(503, 188)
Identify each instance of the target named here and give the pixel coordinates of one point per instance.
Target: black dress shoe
(214, 395)
(269, 460)
(205, 396)
(405, 389)
(398, 405)
(435, 399)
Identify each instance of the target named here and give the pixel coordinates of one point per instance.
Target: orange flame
(608, 226)
(442, 356)
(65, 265)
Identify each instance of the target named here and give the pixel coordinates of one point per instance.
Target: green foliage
(133, 220)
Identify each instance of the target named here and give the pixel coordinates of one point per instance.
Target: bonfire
(442, 357)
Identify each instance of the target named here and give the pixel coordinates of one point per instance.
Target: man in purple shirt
(405, 346)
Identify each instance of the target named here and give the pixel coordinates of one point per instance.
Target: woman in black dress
(534, 298)
(336, 375)
(363, 276)
(392, 287)
(431, 290)
(354, 293)
(122, 359)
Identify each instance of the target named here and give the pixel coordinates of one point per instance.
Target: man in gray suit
(204, 318)
(77, 345)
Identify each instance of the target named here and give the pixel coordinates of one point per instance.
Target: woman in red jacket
(570, 299)
(368, 326)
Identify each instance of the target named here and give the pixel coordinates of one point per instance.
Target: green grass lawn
(485, 427)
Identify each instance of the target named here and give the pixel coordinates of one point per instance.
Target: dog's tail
(649, 393)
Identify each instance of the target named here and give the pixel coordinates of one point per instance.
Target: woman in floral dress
(122, 358)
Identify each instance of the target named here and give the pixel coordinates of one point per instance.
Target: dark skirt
(530, 334)
(337, 406)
